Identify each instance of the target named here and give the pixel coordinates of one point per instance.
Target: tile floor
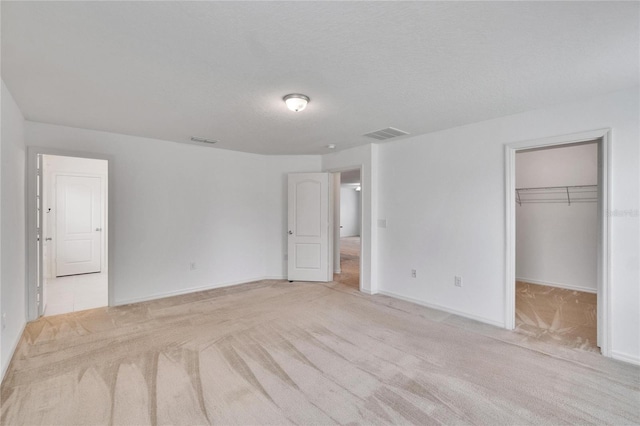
(75, 293)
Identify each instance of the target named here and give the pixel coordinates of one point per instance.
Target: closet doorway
(556, 244)
(557, 228)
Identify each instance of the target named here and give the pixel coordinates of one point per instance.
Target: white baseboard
(14, 346)
(558, 285)
(337, 271)
(621, 356)
(192, 290)
(442, 308)
(367, 291)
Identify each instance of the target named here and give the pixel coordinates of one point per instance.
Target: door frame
(34, 280)
(603, 138)
(335, 214)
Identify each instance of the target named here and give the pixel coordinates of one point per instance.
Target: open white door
(308, 246)
(78, 225)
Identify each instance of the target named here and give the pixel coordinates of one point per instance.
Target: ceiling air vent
(203, 140)
(384, 134)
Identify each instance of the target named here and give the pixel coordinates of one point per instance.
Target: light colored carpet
(558, 315)
(349, 262)
(275, 352)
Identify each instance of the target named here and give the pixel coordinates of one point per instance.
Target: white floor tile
(75, 293)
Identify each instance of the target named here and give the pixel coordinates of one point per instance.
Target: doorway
(556, 244)
(348, 228)
(558, 253)
(74, 226)
(69, 237)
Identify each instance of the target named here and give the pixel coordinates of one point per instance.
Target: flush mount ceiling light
(331, 146)
(296, 102)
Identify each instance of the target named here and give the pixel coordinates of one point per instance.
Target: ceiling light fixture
(296, 102)
(331, 146)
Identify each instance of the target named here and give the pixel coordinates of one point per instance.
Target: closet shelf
(558, 194)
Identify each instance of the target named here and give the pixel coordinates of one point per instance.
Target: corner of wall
(12, 227)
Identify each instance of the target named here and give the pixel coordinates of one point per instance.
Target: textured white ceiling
(170, 70)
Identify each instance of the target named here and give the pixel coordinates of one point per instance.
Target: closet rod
(592, 187)
(558, 194)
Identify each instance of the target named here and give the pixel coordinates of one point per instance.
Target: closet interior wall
(556, 216)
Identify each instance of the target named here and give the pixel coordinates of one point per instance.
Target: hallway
(349, 262)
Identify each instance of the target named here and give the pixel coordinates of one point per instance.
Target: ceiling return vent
(203, 140)
(384, 134)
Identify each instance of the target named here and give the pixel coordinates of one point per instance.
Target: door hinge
(38, 297)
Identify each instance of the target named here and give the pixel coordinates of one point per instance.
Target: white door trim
(31, 232)
(604, 182)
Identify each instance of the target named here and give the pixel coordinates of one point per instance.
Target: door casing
(604, 185)
(32, 259)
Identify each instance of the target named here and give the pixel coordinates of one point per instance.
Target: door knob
(48, 239)
(98, 229)
(290, 232)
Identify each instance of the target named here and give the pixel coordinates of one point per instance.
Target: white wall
(12, 218)
(443, 197)
(174, 204)
(349, 211)
(567, 165)
(556, 244)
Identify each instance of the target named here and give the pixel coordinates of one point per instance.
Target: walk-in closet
(556, 244)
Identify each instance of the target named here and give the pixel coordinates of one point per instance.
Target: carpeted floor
(558, 315)
(349, 262)
(275, 352)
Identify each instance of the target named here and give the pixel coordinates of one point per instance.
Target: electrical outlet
(4, 321)
(413, 273)
(193, 266)
(458, 281)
